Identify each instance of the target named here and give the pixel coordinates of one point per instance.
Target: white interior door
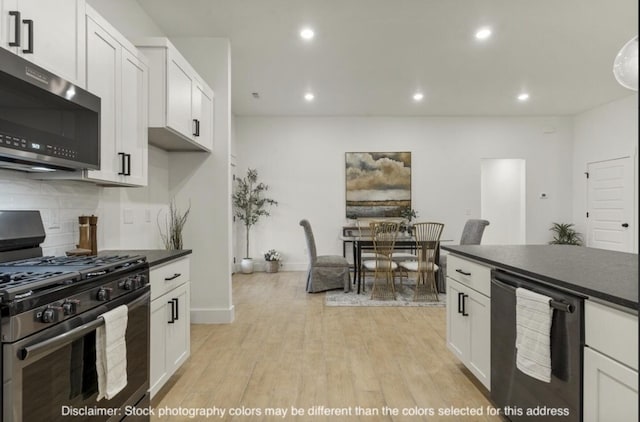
(610, 205)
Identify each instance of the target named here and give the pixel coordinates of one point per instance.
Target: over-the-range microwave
(46, 122)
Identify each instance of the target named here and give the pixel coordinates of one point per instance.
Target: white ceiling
(370, 56)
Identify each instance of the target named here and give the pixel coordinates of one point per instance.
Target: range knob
(50, 314)
(104, 294)
(70, 307)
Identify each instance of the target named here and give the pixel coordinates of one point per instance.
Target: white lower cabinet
(610, 364)
(469, 317)
(170, 321)
(469, 329)
(610, 389)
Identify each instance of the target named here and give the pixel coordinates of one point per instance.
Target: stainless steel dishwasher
(522, 397)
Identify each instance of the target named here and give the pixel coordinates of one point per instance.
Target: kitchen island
(594, 330)
(595, 273)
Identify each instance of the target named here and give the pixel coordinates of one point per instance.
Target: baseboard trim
(284, 267)
(212, 316)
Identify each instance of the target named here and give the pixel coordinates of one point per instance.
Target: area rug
(404, 297)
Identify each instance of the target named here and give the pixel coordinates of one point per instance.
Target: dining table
(363, 243)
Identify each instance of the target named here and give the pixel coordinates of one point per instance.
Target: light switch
(128, 216)
(147, 215)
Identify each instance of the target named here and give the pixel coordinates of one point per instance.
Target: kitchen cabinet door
(134, 118)
(178, 336)
(457, 324)
(478, 307)
(610, 389)
(179, 96)
(8, 24)
(203, 115)
(160, 313)
(104, 61)
(52, 35)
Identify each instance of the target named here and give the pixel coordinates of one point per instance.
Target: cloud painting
(378, 184)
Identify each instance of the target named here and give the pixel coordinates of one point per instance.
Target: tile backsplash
(127, 217)
(59, 202)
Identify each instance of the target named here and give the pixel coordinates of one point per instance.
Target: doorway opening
(503, 200)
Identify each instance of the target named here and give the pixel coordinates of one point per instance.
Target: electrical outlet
(127, 216)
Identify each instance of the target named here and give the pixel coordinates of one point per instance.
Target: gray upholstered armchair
(471, 235)
(326, 272)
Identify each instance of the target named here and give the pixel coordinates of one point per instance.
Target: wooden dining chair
(384, 235)
(427, 244)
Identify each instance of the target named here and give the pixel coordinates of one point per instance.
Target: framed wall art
(378, 184)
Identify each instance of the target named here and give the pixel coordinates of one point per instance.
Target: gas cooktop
(22, 278)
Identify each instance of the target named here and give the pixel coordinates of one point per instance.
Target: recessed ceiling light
(307, 34)
(309, 96)
(483, 33)
(523, 97)
(418, 96)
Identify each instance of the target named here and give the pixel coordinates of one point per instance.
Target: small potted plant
(565, 234)
(408, 214)
(273, 261)
(172, 234)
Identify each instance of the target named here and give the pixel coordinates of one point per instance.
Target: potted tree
(250, 204)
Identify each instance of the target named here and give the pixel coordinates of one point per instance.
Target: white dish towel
(533, 334)
(111, 353)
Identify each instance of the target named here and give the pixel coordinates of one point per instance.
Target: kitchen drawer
(612, 332)
(470, 273)
(167, 277)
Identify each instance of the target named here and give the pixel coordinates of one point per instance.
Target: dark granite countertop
(607, 275)
(154, 256)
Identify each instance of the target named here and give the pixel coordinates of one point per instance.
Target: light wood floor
(286, 349)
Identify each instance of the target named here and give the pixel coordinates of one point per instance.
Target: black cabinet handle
(196, 127)
(177, 309)
(122, 163)
(462, 272)
(625, 225)
(173, 277)
(29, 23)
(128, 172)
(464, 311)
(460, 302)
(16, 29)
(173, 318)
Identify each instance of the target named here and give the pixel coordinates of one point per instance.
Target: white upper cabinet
(181, 111)
(50, 34)
(117, 73)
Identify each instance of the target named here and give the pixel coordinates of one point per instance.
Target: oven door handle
(34, 350)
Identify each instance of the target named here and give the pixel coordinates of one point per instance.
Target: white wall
(128, 17)
(302, 159)
(603, 133)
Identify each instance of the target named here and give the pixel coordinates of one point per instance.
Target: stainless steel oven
(50, 308)
(51, 375)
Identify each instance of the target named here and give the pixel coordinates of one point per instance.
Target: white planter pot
(246, 265)
(271, 266)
